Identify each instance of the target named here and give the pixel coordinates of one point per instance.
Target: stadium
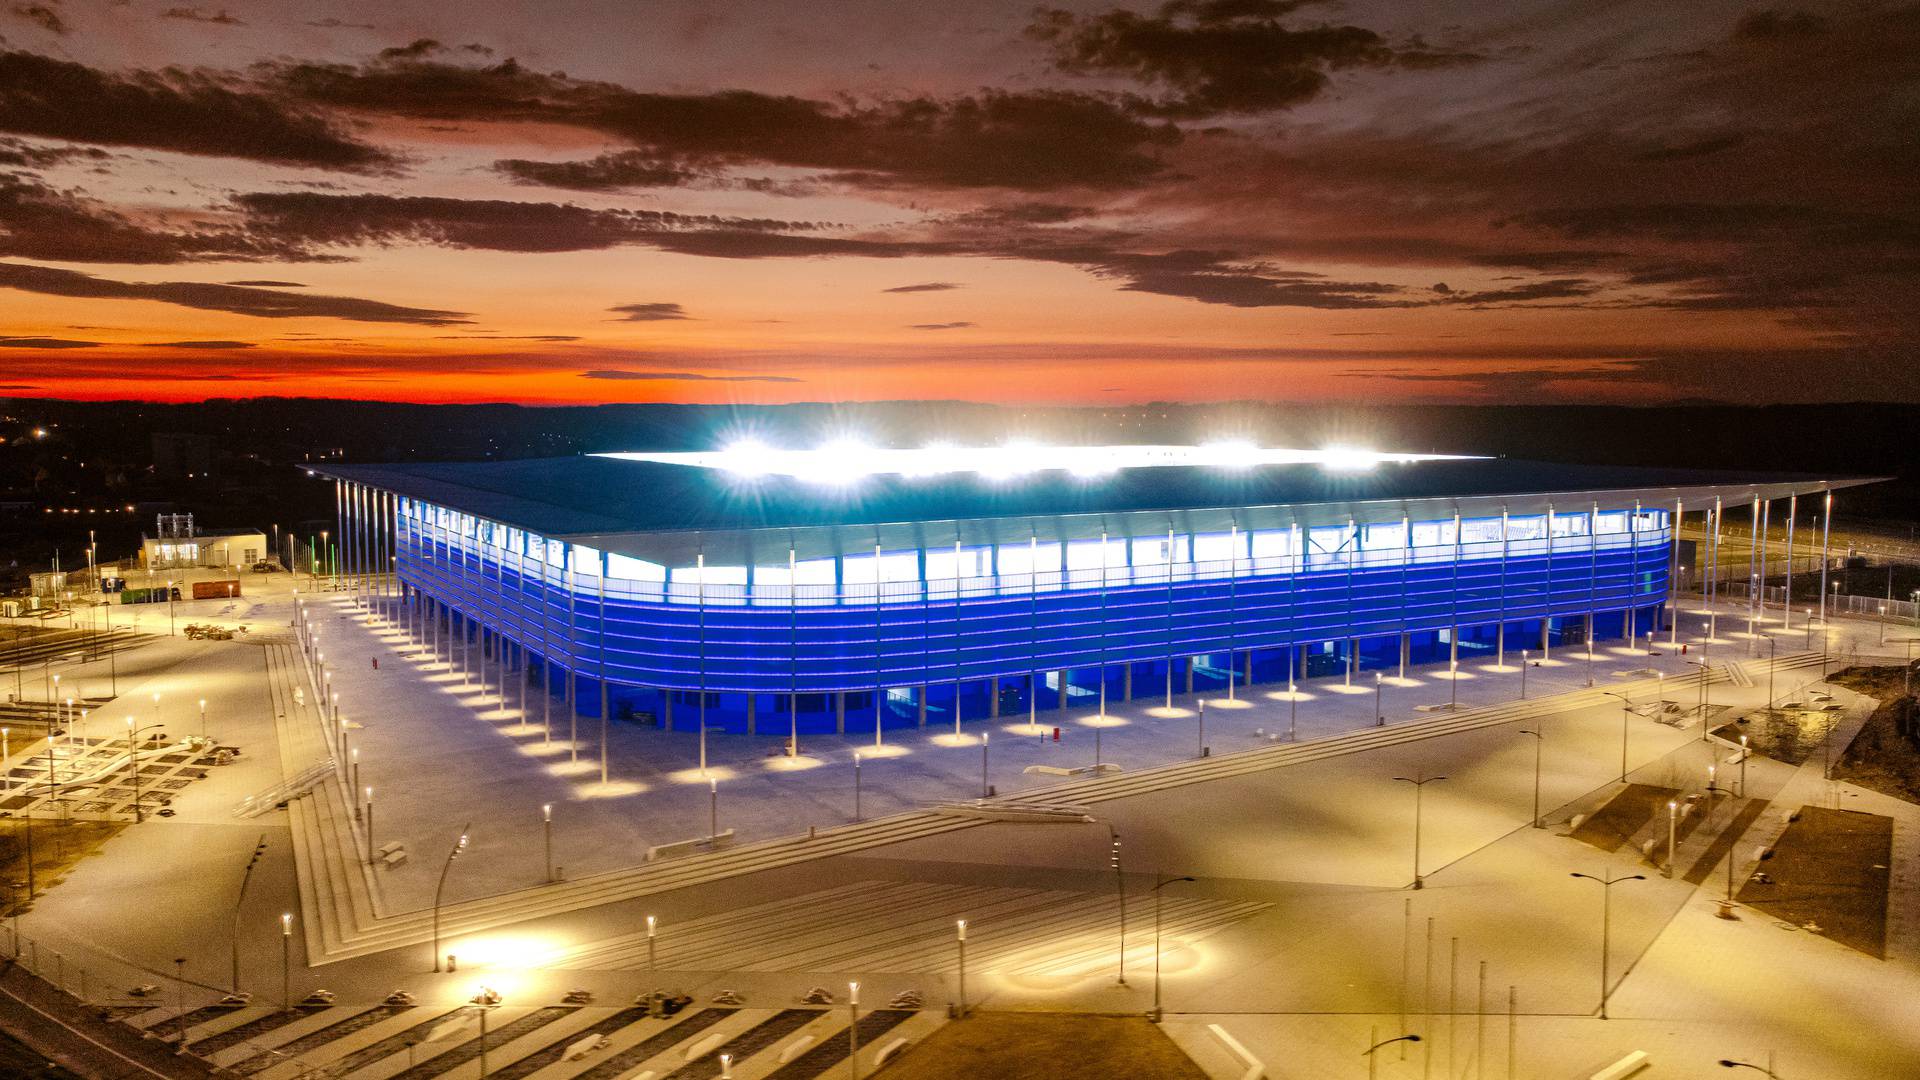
(765, 591)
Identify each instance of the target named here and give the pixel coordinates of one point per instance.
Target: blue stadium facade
(676, 595)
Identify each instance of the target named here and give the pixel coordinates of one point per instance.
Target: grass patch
(1828, 875)
(57, 848)
(1885, 755)
(1045, 1046)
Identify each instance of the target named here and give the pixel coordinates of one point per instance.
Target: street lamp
(458, 846)
(1120, 885)
(1161, 884)
(1606, 927)
(960, 939)
(133, 764)
(286, 959)
(1524, 656)
(546, 824)
(1379, 713)
(1539, 740)
(853, 1030)
(1373, 1058)
(1626, 715)
(1419, 786)
(259, 849)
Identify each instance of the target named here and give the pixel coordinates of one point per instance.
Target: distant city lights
(847, 461)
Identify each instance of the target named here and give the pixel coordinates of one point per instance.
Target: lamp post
(1419, 786)
(1161, 884)
(1673, 817)
(985, 788)
(1200, 732)
(652, 929)
(1626, 715)
(286, 959)
(1293, 710)
(713, 809)
(1606, 927)
(1372, 1057)
(853, 1030)
(1524, 655)
(546, 826)
(259, 849)
(1539, 739)
(960, 939)
(1379, 713)
(133, 765)
(1120, 887)
(203, 718)
(1743, 767)
(368, 792)
(458, 846)
(856, 785)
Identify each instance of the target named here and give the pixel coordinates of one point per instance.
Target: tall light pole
(1539, 739)
(1379, 713)
(1419, 786)
(1525, 654)
(960, 939)
(1161, 884)
(458, 846)
(546, 825)
(259, 849)
(286, 959)
(1370, 1054)
(1626, 715)
(1606, 928)
(1120, 887)
(853, 1030)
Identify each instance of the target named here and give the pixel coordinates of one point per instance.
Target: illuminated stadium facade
(764, 591)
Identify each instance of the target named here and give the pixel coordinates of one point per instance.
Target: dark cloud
(45, 343)
(216, 18)
(186, 112)
(508, 337)
(43, 16)
(607, 172)
(1218, 278)
(1553, 289)
(682, 376)
(200, 345)
(929, 286)
(1223, 57)
(1769, 24)
(42, 222)
(489, 224)
(261, 303)
(337, 24)
(1029, 139)
(655, 312)
(940, 326)
(25, 155)
(270, 283)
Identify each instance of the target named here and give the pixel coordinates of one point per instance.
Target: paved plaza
(1299, 936)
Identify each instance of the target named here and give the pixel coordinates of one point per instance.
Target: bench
(795, 1048)
(389, 847)
(1254, 1069)
(394, 859)
(1061, 770)
(893, 1047)
(1625, 1067)
(707, 1045)
(582, 1047)
(688, 847)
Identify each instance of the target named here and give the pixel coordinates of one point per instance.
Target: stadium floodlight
(1352, 459)
(847, 461)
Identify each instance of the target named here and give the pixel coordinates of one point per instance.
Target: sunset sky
(571, 201)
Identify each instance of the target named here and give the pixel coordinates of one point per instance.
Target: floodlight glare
(847, 461)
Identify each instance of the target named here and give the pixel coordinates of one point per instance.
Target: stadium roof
(656, 509)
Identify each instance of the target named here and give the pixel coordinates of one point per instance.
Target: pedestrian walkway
(511, 1040)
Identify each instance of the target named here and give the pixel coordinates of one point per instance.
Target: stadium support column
(1766, 529)
(1500, 635)
(1633, 574)
(1673, 573)
(605, 693)
(1826, 535)
(1786, 603)
(569, 577)
(840, 711)
(339, 528)
(920, 703)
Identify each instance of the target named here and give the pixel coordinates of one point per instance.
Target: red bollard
(1056, 734)
(376, 663)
